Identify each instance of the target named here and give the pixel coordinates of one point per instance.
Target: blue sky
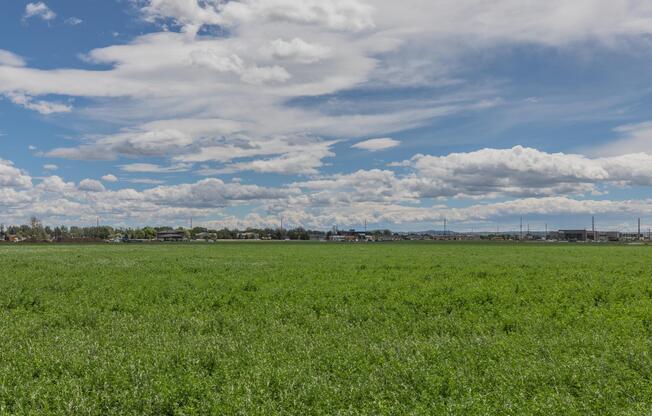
(329, 112)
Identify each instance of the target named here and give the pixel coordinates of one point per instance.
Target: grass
(239, 328)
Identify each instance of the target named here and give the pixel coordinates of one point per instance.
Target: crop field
(330, 329)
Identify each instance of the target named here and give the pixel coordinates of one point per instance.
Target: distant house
(14, 238)
(115, 239)
(170, 236)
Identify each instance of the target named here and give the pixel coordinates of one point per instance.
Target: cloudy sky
(327, 112)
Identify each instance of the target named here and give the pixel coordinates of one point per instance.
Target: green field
(300, 328)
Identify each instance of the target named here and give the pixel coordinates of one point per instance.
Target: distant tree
(36, 232)
(148, 233)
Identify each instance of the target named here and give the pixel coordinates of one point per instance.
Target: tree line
(37, 232)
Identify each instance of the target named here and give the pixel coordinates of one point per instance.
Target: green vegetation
(313, 328)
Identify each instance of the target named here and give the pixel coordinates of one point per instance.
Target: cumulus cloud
(375, 145)
(10, 176)
(110, 178)
(211, 193)
(39, 10)
(485, 174)
(382, 196)
(91, 185)
(526, 171)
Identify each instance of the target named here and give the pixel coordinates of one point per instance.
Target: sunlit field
(316, 328)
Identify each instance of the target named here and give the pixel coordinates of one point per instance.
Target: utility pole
(546, 232)
(445, 227)
(191, 223)
(521, 229)
(639, 229)
(593, 228)
(365, 226)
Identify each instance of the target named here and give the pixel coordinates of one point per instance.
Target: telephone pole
(521, 229)
(593, 228)
(639, 229)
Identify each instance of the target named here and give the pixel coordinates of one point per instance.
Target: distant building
(314, 236)
(573, 235)
(248, 236)
(351, 236)
(204, 236)
(14, 238)
(584, 235)
(605, 236)
(170, 236)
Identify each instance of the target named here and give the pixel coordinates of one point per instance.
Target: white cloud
(298, 50)
(43, 107)
(485, 174)
(91, 185)
(374, 195)
(110, 178)
(39, 10)
(10, 176)
(348, 15)
(375, 145)
(633, 138)
(211, 193)
(8, 58)
(152, 168)
(74, 21)
(263, 95)
(50, 167)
